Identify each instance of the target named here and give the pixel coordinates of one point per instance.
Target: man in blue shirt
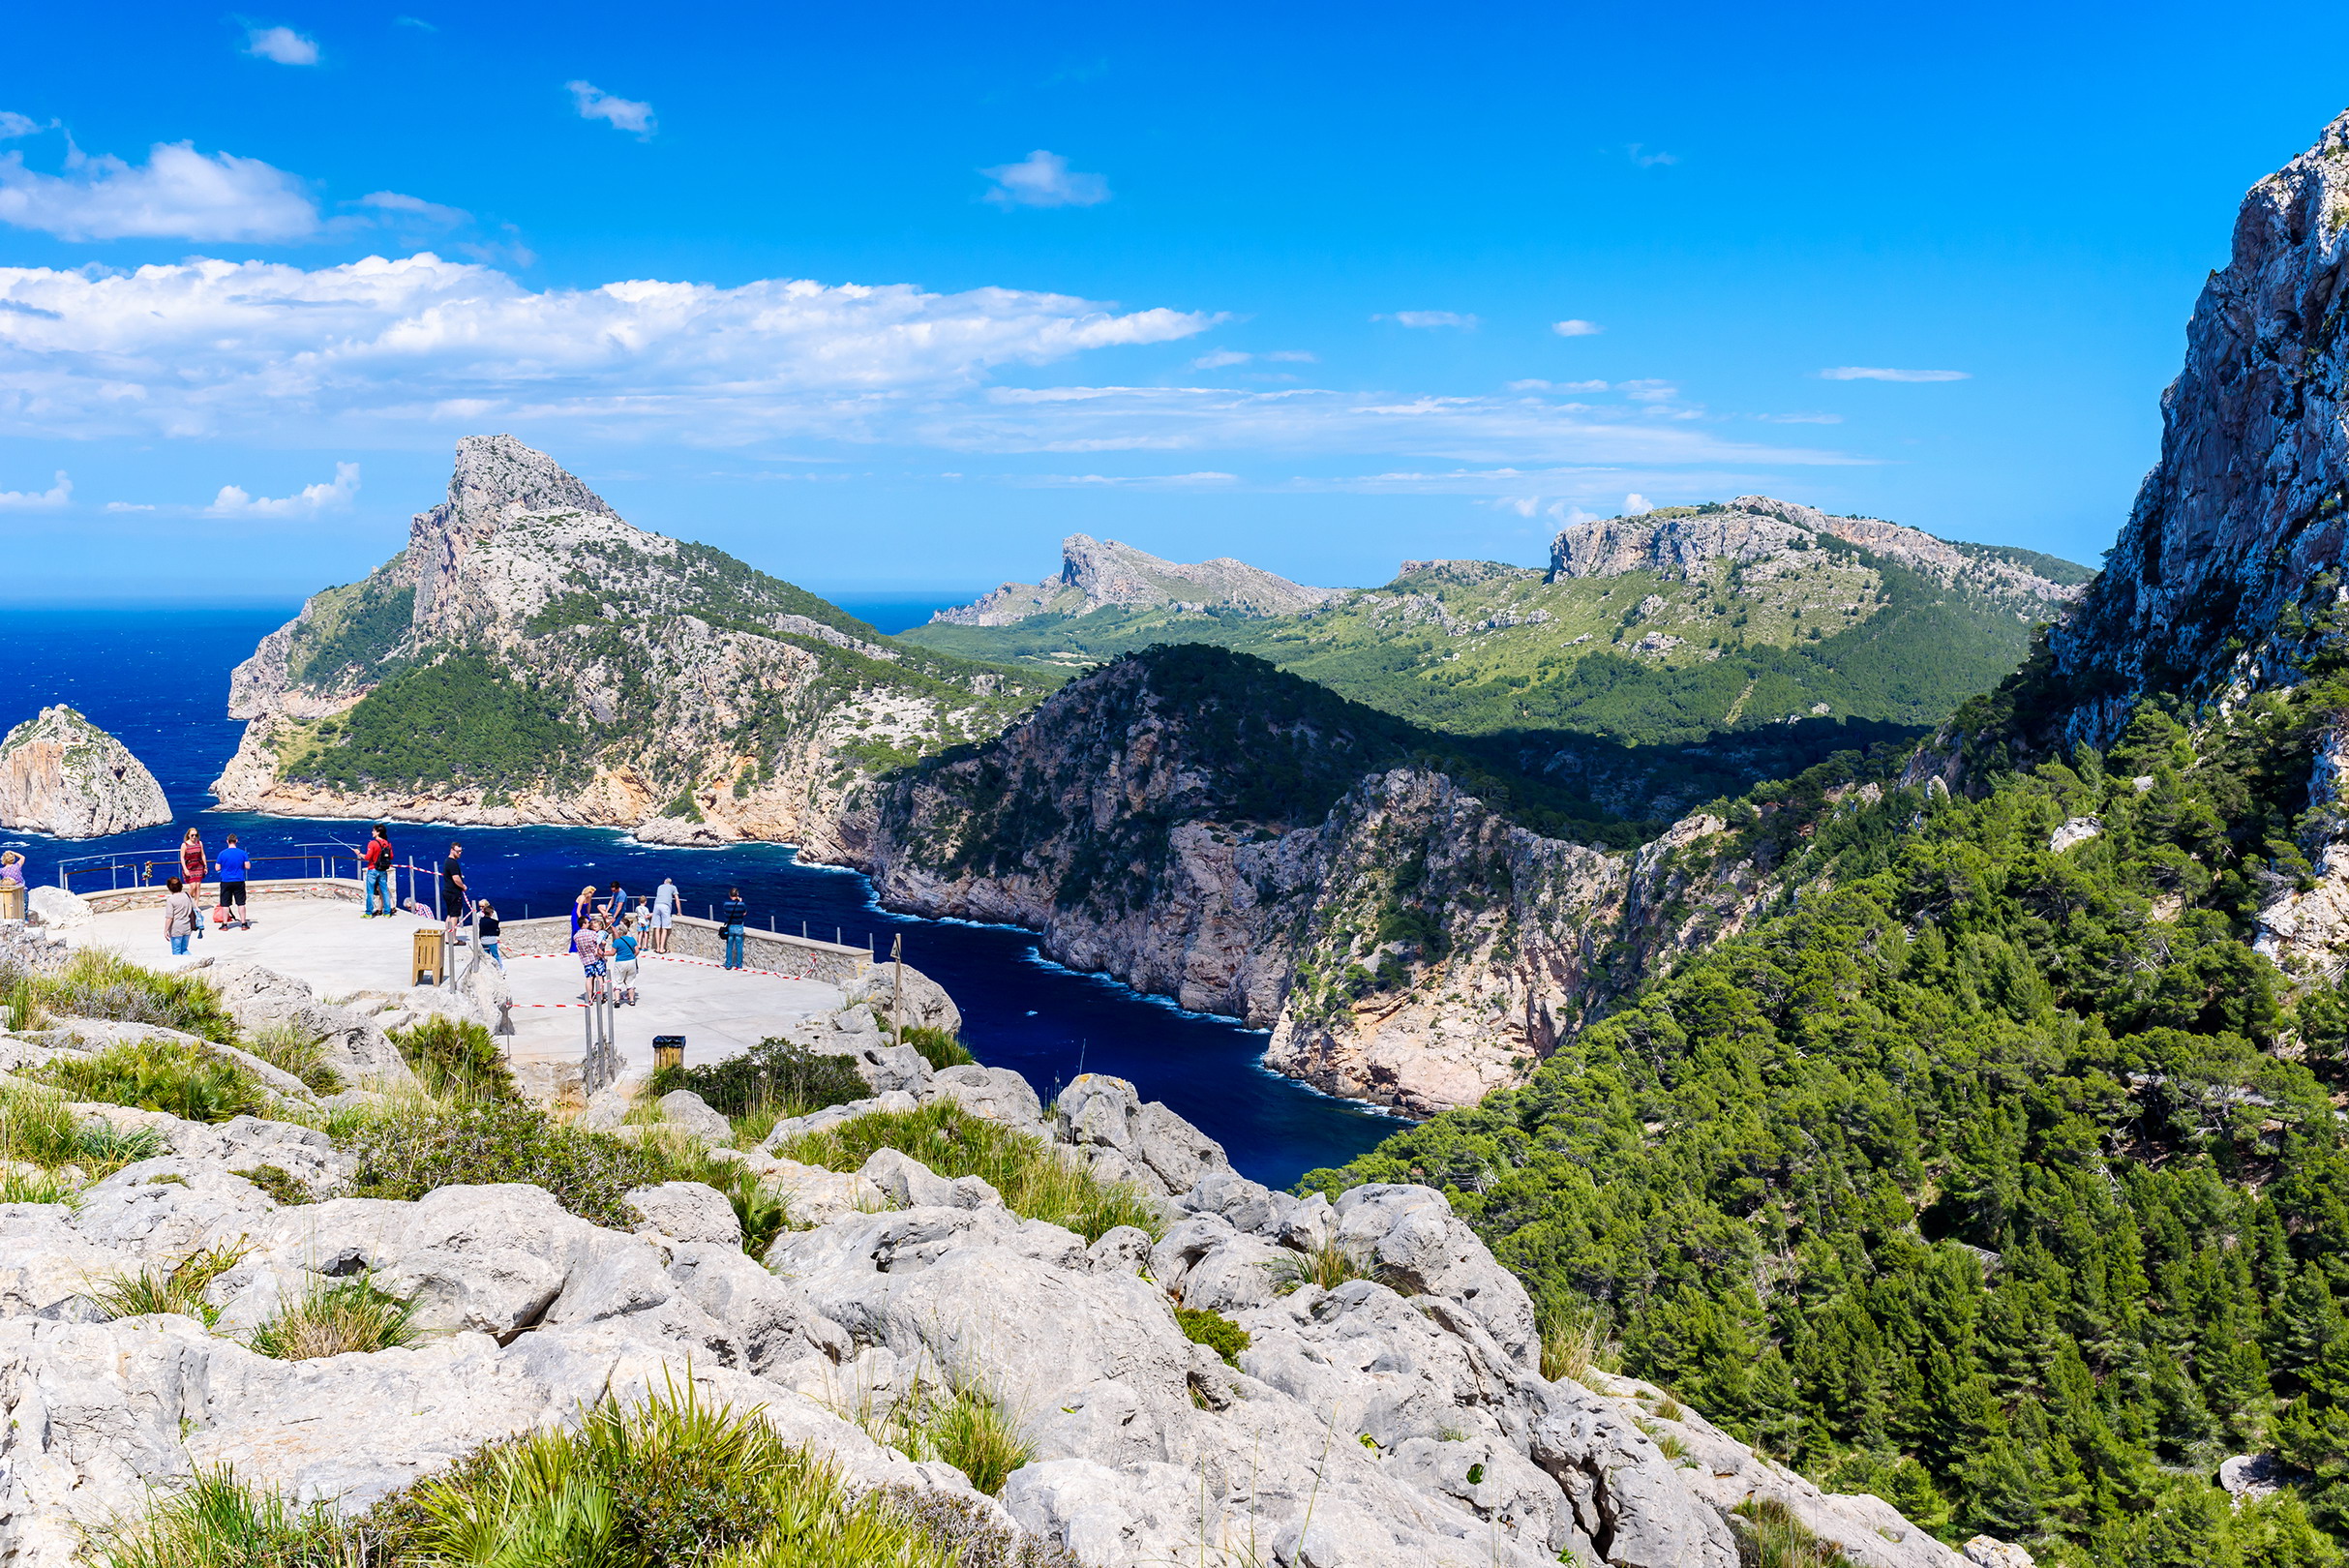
(233, 865)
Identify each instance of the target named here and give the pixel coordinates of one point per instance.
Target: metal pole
(897, 989)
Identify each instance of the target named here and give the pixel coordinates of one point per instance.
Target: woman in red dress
(192, 865)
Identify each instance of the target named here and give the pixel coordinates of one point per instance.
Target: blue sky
(895, 301)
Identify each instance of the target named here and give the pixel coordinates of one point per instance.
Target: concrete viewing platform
(311, 931)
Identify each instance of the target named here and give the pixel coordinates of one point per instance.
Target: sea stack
(61, 775)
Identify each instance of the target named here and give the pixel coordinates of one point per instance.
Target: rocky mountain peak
(63, 775)
(1102, 573)
(496, 481)
(2231, 555)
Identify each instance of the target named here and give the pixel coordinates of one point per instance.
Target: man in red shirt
(376, 859)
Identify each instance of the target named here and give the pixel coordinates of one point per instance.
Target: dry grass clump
(300, 1053)
(1326, 1266)
(43, 1143)
(1034, 1181)
(180, 1288)
(1770, 1536)
(334, 1318)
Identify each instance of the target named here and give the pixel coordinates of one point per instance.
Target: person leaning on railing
(735, 913)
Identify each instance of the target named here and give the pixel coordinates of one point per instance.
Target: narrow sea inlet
(158, 681)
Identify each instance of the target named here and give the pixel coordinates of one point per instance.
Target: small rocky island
(61, 775)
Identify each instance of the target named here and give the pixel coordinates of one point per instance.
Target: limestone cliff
(63, 775)
(1204, 828)
(1098, 573)
(531, 656)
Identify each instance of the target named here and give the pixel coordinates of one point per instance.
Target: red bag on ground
(220, 914)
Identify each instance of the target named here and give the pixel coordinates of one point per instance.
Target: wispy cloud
(1535, 385)
(57, 494)
(309, 502)
(128, 506)
(417, 208)
(1045, 179)
(1875, 373)
(417, 22)
(283, 44)
(1431, 318)
(1575, 327)
(1294, 356)
(621, 113)
(1145, 480)
(1221, 360)
(13, 125)
(1649, 158)
(1649, 391)
(177, 193)
(1801, 418)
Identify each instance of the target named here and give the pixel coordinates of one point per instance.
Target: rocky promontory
(1097, 574)
(61, 775)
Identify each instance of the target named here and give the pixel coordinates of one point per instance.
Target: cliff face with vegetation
(1400, 912)
(63, 775)
(531, 657)
(1099, 574)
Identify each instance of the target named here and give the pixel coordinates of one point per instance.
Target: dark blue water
(160, 680)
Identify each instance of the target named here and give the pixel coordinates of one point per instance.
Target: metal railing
(149, 868)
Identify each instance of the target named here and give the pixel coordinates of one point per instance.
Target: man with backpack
(376, 860)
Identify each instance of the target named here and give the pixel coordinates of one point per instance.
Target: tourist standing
(593, 947)
(616, 901)
(182, 919)
(624, 964)
(581, 908)
(376, 859)
(734, 912)
(192, 863)
(452, 891)
(489, 928)
(12, 885)
(234, 866)
(664, 911)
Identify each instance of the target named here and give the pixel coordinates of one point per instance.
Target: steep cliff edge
(1204, 827)
(533, 657)
(63, 775)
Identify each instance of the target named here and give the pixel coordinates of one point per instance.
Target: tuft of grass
(174, 1077)
(94, 984)
(1032, 1177)
(416, 1147)
(456, 1060)
(334, 1318)
(279, 1183)
(1770, 1536)
(18, 1186)
(221, 1522)
(1568, 1346)
(938, 1048)
(970, 1429)
(1211, 1329)
(36, 1129)
(299, 1052)
(774, 1078)
(179, 1288)
(1327, 1266)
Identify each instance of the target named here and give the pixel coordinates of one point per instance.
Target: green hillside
(2006, 1183)
(1637, 657)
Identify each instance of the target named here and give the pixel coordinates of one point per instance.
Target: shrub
(36, 1129)
(94, 984)
(969, 1534)
(1029, 1174)
(299, 1052)
(456, 1060)
(332, 1317)
(281, 1186)
(414, 1149)
(1211, 1329)
(773, 1077)
(161, 1075)
(938, 1048)
(221, 1523)
(1328, 1265)
(1770, 1536)
(179, 1288)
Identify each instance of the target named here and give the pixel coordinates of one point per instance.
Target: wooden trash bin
(667, 1051)
(426, 956)
(11, 900)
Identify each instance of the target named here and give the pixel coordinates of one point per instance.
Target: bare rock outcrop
(1102, 573)
(61, 775)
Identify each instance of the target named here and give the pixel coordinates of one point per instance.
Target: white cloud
(1648, 391)
(1294, 356)
(1045, 179)
(417, 22)
(1431, 318)
(25, 500)
(177, 193)
(309, 502)
(1636, 504)
(1575, 327)
(416, 207)
(1556, 386)
(1147, 480)
(283, 44)
(1220, 358)
(410, 350)
(623, 114)
(1801, 419)
(1872, 372)
(1644, 159)
(128, 506)
(13, 125)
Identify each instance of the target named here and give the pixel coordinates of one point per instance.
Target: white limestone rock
(686, 1212)
(57, 908)
(688, 1111)
(61, 775)
(2074, 830)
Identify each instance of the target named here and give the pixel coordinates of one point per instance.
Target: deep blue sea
(158, 681)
